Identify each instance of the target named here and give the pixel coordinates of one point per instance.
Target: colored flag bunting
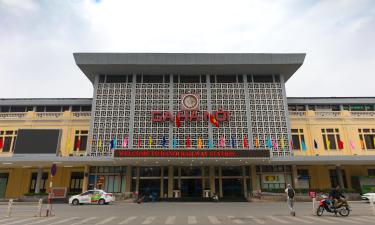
(139, 142)
(111, 144)
(210, 144)
(303, 145)
(245, 145)
(328, 144)
(291, 145)
(362, 144)
(78, 143)
(178, 122)
(188, 142)
(282, 143)
(200, 142)
(340, 144)
(100, 144)
(233, 143)
(1, 143)
(222, 142)
(163, 141)
(352, 145)
(174, 142)
(274, 144)
(149, 142)
(256, 142)
(125, 142)
(315, 144)
(269, 143)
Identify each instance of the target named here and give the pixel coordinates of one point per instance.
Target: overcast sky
(37, 39)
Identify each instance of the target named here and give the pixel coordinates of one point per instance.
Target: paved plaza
(186, 213)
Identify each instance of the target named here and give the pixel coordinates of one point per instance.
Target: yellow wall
(348, 124)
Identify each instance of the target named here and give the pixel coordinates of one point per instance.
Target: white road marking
(316, 218)
(213, 220)
(277, 219)
(7, 219)
(346, 220)
(20, 221)
(148, 220)
(106, 220)
(192, 220)
(127, 220)
(298, 219)
(170, 220)
(85, 220)
(363, 219)
(43, 220)
(64, 220)
(260, 221)
(234, 220)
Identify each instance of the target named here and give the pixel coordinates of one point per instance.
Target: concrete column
(170, 181)
(137, 180)
(212, 179)
(339, 175)
(85, 182)
(161, 182)
(244, 181)
(253, 178)
(220, 183)
(38, 180)
(128, 179)
(295, 177)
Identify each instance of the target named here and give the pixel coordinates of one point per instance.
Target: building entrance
(232, 187)
(191, 187)
(149, 186)
(3, 184)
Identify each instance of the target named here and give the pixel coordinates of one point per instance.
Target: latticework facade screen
(123, 107)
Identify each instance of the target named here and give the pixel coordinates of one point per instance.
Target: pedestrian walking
(290, 193)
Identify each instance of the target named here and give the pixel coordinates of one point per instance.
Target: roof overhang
(93, 64)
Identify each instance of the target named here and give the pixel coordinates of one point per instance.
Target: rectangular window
(263, 79)
(80, 140)
(371, 172)
(335, 179)
(226, 79)
(297, 138)
(9, 139)
(76, 181)
(367, 138)
(116, 79)
(189, 79)
(42, 185)
(152, 78)
(331, 138)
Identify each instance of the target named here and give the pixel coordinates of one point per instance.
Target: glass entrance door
(3, 184)
(191, 187)
(232, 187)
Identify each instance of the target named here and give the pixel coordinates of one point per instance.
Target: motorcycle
(327, 204)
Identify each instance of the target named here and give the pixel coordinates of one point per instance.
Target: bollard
(313, 206)
(9, 210)
(39, 208)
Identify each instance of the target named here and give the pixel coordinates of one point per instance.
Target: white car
(368, 197)
(99, 197)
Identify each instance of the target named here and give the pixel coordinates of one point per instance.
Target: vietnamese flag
(1, 143)
(188, 142)
(139, 142)
(178, 122)
(213, 120)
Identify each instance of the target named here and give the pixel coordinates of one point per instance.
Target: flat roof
(93, 64)
(88, 101)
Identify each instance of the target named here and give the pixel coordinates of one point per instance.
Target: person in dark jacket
(337, 196)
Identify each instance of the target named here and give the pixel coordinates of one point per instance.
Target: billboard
(37, 141)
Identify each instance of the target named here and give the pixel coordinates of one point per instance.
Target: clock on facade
(190, 102)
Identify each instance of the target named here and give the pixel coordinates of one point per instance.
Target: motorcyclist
(337, 196)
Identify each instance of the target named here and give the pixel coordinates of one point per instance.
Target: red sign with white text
(125, 153)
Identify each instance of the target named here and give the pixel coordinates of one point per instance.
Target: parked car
(368, 196)
(99, 197)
